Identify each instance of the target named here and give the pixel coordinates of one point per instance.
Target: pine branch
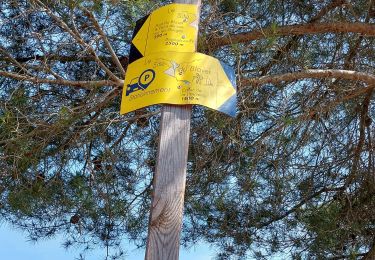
(313, 73)
(97, 26)
(79, 84)
(76, 36)
(363, 29)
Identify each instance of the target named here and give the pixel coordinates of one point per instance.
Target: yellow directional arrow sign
(179, 78)
(170, 28)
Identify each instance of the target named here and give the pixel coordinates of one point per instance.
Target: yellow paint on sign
(177, 78)
(170, 28)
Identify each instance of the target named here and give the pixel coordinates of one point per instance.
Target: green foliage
(35, 196)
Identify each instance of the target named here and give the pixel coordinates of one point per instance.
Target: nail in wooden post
(165, 225)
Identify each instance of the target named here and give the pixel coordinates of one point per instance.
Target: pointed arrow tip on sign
(230, 106)
(195, 24)
(141, 34)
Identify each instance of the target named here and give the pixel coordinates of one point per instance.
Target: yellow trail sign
(170, 28)
(180, 79)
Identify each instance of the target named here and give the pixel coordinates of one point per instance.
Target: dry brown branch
(283, 50)
(54, 57)
(363, 29)
(326, 9)
(297, 206)
(313, 73)
(13, 60)
(75, 34)
(80, 84)
(97, 26)
(324, 109)
(361, 139)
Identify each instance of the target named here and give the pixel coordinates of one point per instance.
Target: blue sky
(15, 246)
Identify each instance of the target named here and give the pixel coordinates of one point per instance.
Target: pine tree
(293, 172)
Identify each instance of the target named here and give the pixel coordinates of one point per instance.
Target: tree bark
(72, 83)
(363, 29)
(313, 73)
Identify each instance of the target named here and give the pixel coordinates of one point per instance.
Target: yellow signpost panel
(179, 78)
(170, 28)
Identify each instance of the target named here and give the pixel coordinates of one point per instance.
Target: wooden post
(165, 224)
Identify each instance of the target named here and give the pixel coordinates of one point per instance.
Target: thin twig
(97, 26)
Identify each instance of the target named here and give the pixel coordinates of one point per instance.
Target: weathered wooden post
(165, 68)
(169, 181)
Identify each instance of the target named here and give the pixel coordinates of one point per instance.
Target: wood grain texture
(169, 185)
(165, 225)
